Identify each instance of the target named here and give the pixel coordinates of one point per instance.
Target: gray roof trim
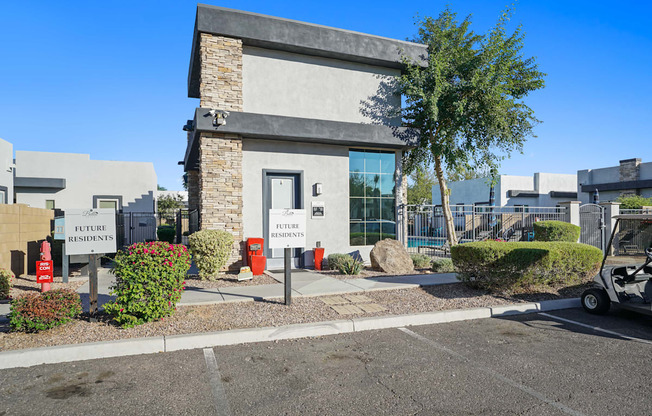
(526, 194)
(617, 186)
(563, 194)
(299, 37)
(265, 126)
(49, 183)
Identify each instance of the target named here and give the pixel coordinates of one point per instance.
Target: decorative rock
(391, 257)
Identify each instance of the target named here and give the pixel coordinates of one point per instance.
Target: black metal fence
(137, 227)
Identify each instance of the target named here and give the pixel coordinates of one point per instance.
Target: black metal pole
(288, 276)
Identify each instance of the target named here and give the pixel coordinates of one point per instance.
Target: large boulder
(391, 257)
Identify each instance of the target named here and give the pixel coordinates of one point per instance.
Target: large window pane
(372, 209)
(387, 162)
(372, 193)
(357, 234)
(387, 185)
(388, 230)
(372, 162)
(357, 209)
(387, 209)
(356, 184)
(372, 184)
(372, 233)
(356, 161)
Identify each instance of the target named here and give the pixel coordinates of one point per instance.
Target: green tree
(169, 203)
(161, 188)
(467, 102)
(631, 201)
(419, 192)
(464, 173)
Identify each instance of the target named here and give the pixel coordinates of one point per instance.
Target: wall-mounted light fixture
(219, 117)
(317, 189)
(190, 126)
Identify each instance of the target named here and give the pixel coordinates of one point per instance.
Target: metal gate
(592, 225)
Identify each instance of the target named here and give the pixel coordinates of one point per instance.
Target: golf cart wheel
(596, 301)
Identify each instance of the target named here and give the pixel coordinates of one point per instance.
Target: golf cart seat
(632, 274)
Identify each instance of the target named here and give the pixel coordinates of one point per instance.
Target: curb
(137, 346)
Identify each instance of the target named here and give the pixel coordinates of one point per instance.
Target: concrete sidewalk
(304, 283)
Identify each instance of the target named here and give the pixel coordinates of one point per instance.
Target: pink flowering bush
(149, 282)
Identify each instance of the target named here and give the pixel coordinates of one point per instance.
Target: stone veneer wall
(220, 155)
(629, 171)
(193, 189)
(220, 84)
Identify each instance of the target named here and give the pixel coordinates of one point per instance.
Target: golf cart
(625, 276)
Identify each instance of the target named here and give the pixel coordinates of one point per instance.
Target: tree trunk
(445, 204)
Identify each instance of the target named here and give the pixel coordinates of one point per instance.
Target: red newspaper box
(44, 271)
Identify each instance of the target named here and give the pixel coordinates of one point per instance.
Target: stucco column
(611, 209)
(572, 211)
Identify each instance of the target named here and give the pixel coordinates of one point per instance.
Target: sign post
(287, 230)
(90, 231)
(60, 234)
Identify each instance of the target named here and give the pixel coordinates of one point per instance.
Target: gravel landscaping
(194, 319)
(227, 280)
(366, 272)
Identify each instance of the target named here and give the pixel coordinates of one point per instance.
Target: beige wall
(22, 229)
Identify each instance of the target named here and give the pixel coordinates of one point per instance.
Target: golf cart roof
(634, 217)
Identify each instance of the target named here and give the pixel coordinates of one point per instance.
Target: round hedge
(556, 231)
(517, 266)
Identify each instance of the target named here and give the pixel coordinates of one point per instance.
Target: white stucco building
(306, 126)
(73, 180)
(6, 172)
(539, 190)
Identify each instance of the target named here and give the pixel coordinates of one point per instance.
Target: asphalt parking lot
(536, 364)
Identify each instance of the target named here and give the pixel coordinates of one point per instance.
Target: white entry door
(283, 191)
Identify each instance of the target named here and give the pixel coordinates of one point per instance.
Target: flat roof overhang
(295, 129)
(41, 183)
(617, 186)
(276, 33)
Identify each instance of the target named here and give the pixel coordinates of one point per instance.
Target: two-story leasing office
(294, 115)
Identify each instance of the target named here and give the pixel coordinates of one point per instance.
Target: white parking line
(496, 375)
(215, 380)
(595, 328)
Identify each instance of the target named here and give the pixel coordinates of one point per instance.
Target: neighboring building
(630, 177)
(540, 190)
(71, 180)
(304, 102)
(6, 172)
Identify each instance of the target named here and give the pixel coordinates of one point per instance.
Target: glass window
(109, 204)
(49, 204)
(372, 196)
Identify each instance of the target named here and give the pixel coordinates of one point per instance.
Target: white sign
(287, 228)
(90, 231)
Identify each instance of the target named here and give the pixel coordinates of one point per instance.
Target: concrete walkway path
(304, 283)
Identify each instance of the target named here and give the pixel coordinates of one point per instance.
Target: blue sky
(109, 78)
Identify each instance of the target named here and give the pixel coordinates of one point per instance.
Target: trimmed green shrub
(633, 201)
(6, 280)
(443, 265)
(166, 233)
(556, 231)
(421, 261)
(210, 250)
(516, 266)
(149, 282)
(350, 266)
(335, 259)
(40, 311)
